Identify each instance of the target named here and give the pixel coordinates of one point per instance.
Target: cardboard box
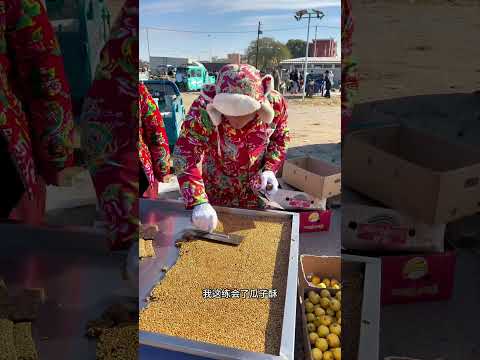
(423, 176)
(297, 200)
(315, 221)
(369, 227)
(313, 176)
(331, 266)
(411, 278)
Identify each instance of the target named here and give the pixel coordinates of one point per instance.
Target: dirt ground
(314, 125)
(433, 52)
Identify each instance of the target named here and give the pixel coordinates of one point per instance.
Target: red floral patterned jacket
(228, 176)
(35, 105)
(153, 147)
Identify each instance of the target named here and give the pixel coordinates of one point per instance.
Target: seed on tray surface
(24, 344)
(7, 340)
(259, 262)
(118, 343)
(325, 342)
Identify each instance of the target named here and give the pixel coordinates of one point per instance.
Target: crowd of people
(293, 81)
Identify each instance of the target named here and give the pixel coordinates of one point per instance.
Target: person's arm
(188, 154)
(43, 86)
(277, 147)
(155, 134)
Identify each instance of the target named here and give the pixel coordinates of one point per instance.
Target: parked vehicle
(192, 77)
(170, 103)
(82, 28)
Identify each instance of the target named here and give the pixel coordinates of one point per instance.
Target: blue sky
(202, 17)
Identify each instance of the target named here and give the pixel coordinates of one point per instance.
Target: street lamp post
(298, 16)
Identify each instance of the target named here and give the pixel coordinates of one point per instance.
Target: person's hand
(204, 217)
(269, 183)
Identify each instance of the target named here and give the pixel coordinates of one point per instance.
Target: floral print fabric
(231, 176)
(35, 105)
(153, 149)
(110, 129)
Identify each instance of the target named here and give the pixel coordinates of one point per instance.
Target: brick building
(323, 48)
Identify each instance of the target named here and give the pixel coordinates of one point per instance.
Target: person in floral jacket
(110, 129)
(232, 143)
(349, 67)
(36, 121)
(153, 149)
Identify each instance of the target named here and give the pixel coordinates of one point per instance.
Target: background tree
(270, 53)
(296, 47)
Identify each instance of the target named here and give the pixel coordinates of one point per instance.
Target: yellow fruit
(339, 321)
(321, 344)
(336, 287)
(322, 285)
(338, 295)
(326, 320)
(335, 329)
(315, 279)
(319, 311)
(310, 317)
(335, 305)
(311, 327)
(325, 302)
(317, 354)
(326, 281)
(330, 312)
(308, 307)
(311, 295)
(313, 337)
(334, 282)
(339, 314)
(323, 331)
(333, 340)
(317, 322)
(337, 353)
(327, 355)
(325, 293)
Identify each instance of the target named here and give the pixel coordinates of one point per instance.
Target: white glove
(268, 177)
(204, 217)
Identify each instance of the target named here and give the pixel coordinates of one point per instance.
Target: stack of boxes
(306, 184)
(401, 188)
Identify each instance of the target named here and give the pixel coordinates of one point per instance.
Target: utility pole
(259, 31)
(298, 16)
(306, 59)
(148, 46)
(315, 42)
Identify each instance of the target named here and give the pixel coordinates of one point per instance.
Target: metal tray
(172, 218)
(79, 274)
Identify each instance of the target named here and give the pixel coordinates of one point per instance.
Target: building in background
(323, 48)
(234, 58)
(157, 62)
(316, 65)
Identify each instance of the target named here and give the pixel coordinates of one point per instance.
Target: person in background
(153, 147)
(328, 84)
(231, 144)
(349, 75)
(36, 121)
(276, 79)
(110, 130)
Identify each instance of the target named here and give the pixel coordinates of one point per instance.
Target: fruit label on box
(382, 233)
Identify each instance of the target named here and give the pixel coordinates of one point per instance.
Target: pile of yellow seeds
(118, 343)
(16, 341)
(259, 262)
